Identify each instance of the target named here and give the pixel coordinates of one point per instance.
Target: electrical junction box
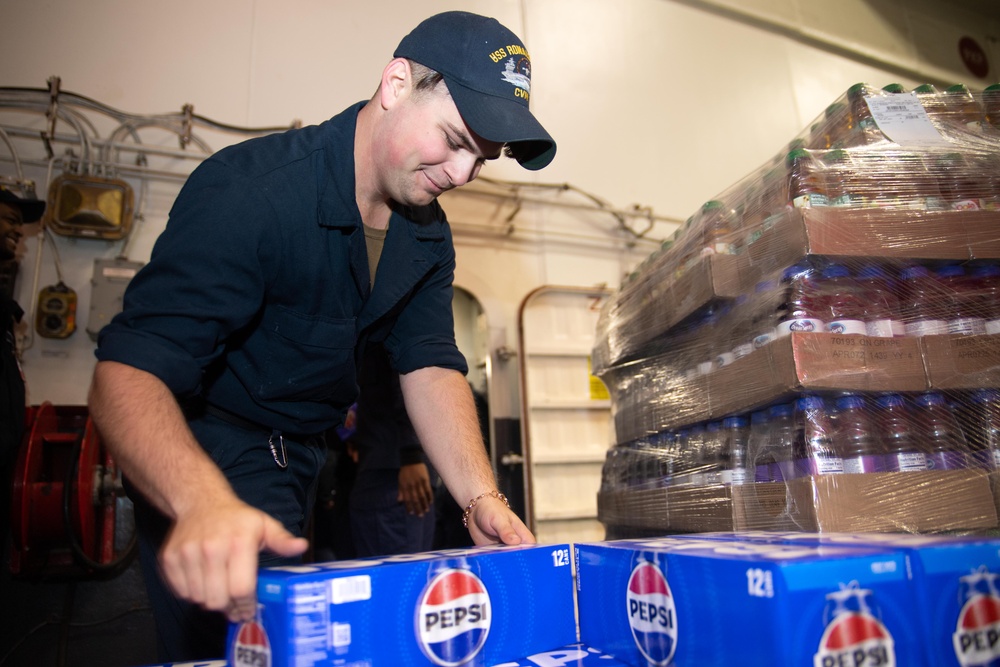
(111, 277)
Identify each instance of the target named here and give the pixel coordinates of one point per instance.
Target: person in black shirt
(14, 212)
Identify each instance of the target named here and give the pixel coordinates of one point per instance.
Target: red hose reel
(67, 493)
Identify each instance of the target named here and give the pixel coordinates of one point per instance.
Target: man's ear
(397, 79)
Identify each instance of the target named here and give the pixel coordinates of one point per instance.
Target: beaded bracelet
(472, 503)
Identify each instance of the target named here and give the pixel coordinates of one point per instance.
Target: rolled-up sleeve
(424, 334)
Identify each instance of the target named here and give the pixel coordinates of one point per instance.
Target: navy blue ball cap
(31, 209)
(488, 74)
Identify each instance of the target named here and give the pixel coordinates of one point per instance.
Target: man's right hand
(210, 556)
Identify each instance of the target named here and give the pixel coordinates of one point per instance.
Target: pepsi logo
(977, 635)
(453, 618)
(855, 639)
(251, 647)
(651, 614)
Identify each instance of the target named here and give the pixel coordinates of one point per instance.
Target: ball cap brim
(31, 209)
(488, 73)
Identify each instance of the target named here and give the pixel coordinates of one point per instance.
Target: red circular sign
(974, 57)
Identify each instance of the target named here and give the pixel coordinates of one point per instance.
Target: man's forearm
(439, 403)
(147, 435)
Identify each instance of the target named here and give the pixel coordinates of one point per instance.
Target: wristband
(472, 503)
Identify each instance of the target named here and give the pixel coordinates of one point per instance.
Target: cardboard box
(908, 502)
(652, 396)
(883, 233)
(962, 362)
(647, 309)
(956, 579)
(655, 302)
(469, 607)
(816, 362)
(690, 602)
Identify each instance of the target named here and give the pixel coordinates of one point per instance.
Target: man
(14, 212)
(237, 344)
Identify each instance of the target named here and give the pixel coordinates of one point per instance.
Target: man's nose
(463, 169)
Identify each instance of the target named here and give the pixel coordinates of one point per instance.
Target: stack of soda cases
(917, 259)
(793, 598)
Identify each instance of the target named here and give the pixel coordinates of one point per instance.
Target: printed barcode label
(340, 634)
(351, 589)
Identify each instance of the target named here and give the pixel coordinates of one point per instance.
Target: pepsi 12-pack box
(957, 580)
(464, 607)
(693, 602)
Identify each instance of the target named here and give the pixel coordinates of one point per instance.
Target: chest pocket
(298, 357)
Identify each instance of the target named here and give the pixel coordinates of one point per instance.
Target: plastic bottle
(735, 334)
(985, 279)
(710, 461)
(761, 314)
(946, 445)
(897, 429)
(718, 226)
(961, 110)
(831, 132)
(979, 417)
(735, 432)
(883, 318)
(963, 315)
(988, 166)
(814, 450)
(844, 181)
(991, 105)
(800, 309)
(781, 444)
(805, 187)
(930, 99)
(921, 304)
(761, 466)
(843, 301)
(856, 437)
(862, 128)
(962, 186)
(693, 455)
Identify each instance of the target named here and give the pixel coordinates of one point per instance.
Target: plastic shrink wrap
(818, 347)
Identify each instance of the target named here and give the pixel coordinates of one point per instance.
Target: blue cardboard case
(464, 607)
(957, 582)
(689, 602)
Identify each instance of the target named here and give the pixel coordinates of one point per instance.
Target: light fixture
(90, 207)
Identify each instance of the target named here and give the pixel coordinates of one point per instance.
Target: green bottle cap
(837, 155)
(894, 88)
(797, 154)
(711, 204)
(959, 88)
(857, 89)
(925, 89)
